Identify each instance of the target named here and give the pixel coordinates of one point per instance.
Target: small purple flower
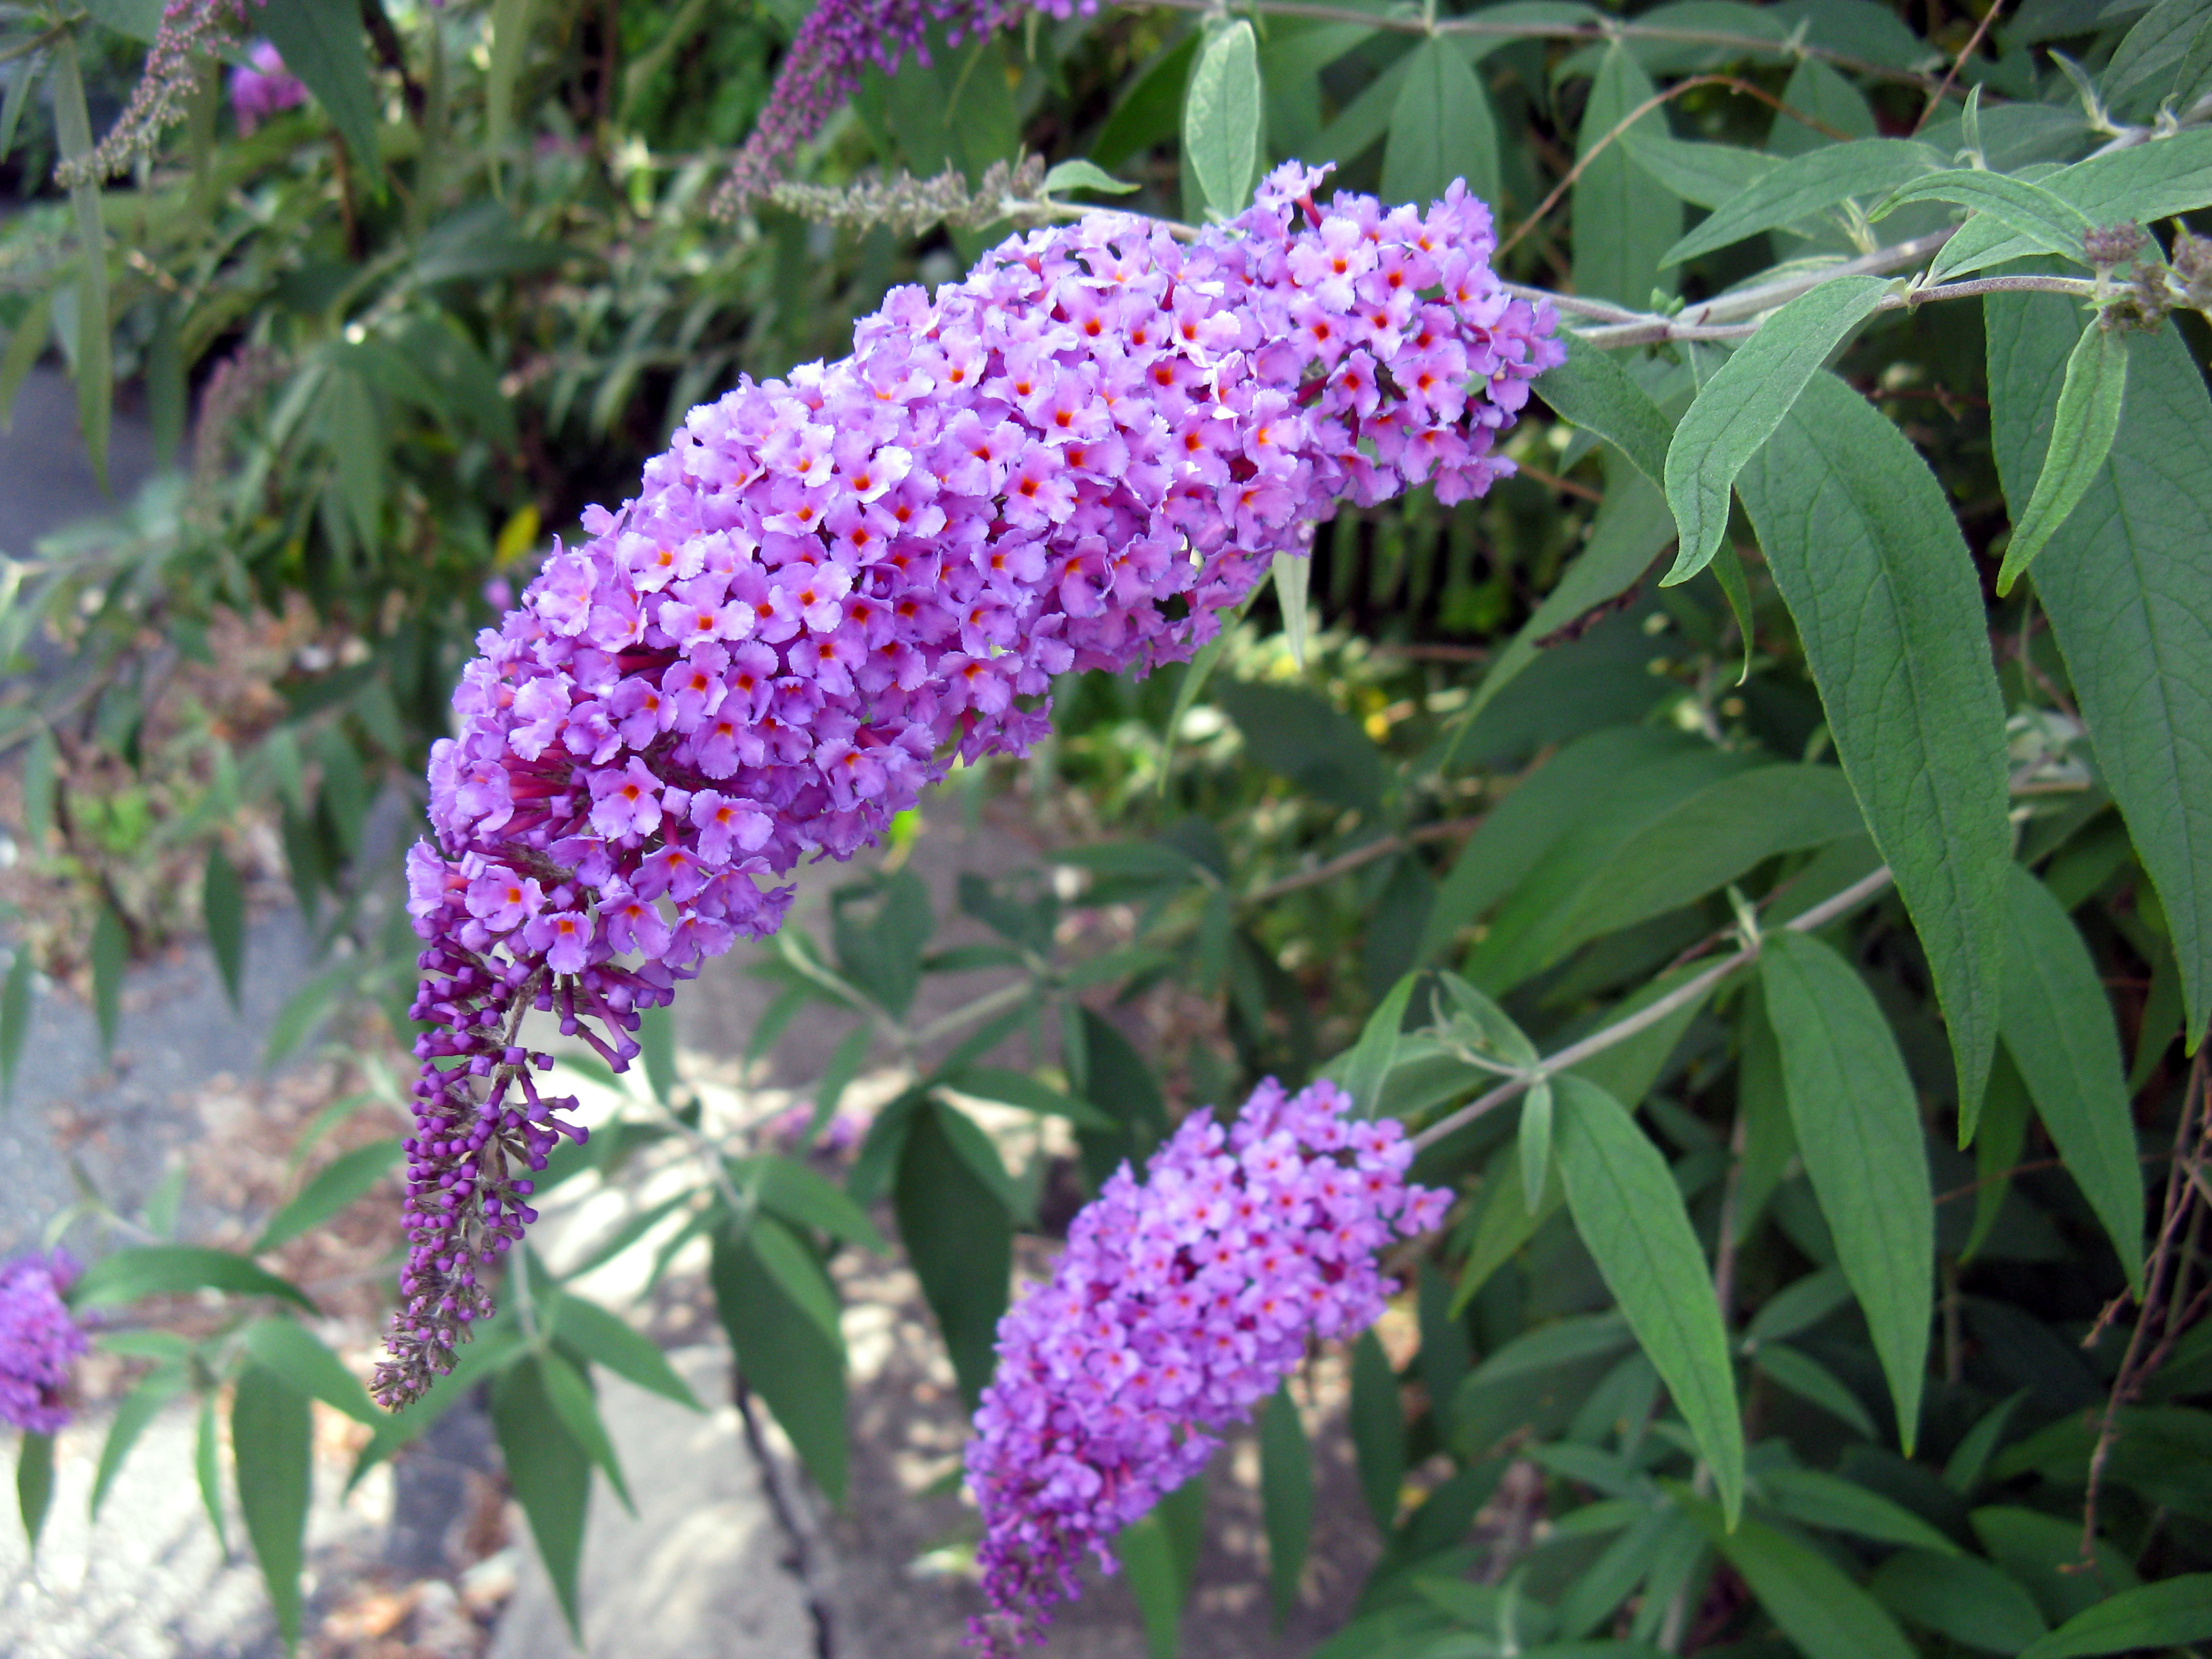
(1180, 1303)
(831, 586)
(258, 93)
(38, 1340)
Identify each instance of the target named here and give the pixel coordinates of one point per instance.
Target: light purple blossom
(1078, 458)
(258, 93)
(1180, 1303)
(38, 1341)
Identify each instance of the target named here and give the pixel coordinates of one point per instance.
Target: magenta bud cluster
(263, 89)
(831, 585)
(39, 1342)
(1180, 1303)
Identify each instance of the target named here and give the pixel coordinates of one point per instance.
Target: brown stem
(392, 56)
(1950, 75)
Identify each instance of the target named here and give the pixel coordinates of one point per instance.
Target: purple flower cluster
(1076, 458)
(838, 41)
(38, 1340)
(258, 93)
(1179, 1304)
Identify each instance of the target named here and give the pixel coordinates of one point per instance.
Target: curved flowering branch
(836, 44)
(1179, 1304)
(190, 31)
(38, 1341)
(1076, 458)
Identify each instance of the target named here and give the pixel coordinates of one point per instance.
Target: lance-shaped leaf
(2058, 1029)
(606, 1340)
(1858, 1125)
(222, 901)
(1221, 113)
(1808, 184)
(1363, 1069)
(1441, 129)
(34, 1482)
(272, 1442)
(549, 1474)
(1590, 390)
(292, 1352)
(1622, 226)
(344, 1180)
(138, 1409)
(1737, 410)
(322, 44)
(1962, 1597)
(1293, 574)
(2083, 424)
(1629, 1212)
(784, 1357)
(172, 1270)
(958, 1233)
(1860, 539)
(2127, 582)
(1378, 1430)
(2143, 182)
(2161, 1615)
(1821, 1611)
(2052, 224)
(95, 373)
(1287, 1496)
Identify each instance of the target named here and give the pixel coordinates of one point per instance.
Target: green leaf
(783, 1356)
(1506, 1223)
(1378, 1430)
(96, 375)
(25, 346)
(2159, 1615)
(1798, 1307)
(1030, 1094)
(1862, 542)
(1813, 1383)
(111, 955)
(1293, 575)
(34, 1483)
(1631, 529)
(548, 1472)
(2000, 1132)
(1079, 174)
(14, 1021)
(510, 33)
(1536, 1143)
(1441, 129)
(1222, 118)
(223, 902)
(322, 43)
(788, 1189)
(1629, 1214)
(2143, 182)
(1858, 1123)
(1147, 112)
(1368, 1061)
(1970, 1457)
(605, 1339)
(1622, 226)
(1819, 1499)
(1807, 185)
(798, 1275)
(1962, 1597)
(1160, 1554)
(173, 1270)
(1287, 1496)
(2083, 424)
(343, 1182)
(138, 1408)
(1590, 390)
(272, 1444)
(1549, 802)
(11, 116)
(1704, 175)
(207, 1468)
(2059, 1028)
(1737, 410)
(1722, 832)
(578, 1409)
(2127, 582)
(1315, 745)
(292, 1352)
(959, 1236)
(2163, 54)
(1109, 1074)
(1527, 933)
(2052, 224)
(1822, 1612)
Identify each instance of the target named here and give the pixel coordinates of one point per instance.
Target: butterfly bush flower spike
(831, 585)
(39, 1341)
(1179, 1304)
